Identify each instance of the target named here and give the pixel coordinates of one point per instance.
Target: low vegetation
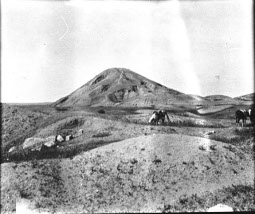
(55, 152)
(103, 134)
(240, 198)
(101, 111)
(193, 123)
(243, 138)
(61, 109)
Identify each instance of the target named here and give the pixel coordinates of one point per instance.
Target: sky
(51, 48)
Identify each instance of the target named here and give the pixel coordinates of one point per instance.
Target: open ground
(123, 164)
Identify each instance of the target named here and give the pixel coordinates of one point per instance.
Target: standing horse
(241, 114)
(154, 118)
(162, 115)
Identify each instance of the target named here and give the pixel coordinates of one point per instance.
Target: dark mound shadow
(55, 152)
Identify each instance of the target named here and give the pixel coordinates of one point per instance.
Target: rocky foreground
(135, 175)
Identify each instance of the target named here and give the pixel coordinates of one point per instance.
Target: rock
(69, 137)
(59, 138)
(33, 142)
(81, 131)
(25, 206)
(210, 132)
(213, 147)
(205, 144)
(49, 144)
(12, 149)
(202, 147)
(36, 149)
(220, 208)
(50, 138)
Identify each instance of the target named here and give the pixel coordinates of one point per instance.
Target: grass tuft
(101, 111)
(103, 134)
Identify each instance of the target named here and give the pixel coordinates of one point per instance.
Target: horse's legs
(243, 122)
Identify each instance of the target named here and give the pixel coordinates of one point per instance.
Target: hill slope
(247, 97)
(122, 87)
(222, 99)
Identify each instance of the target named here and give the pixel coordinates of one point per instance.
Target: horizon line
(49, 102)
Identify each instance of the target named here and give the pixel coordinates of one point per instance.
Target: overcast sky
(51, 48)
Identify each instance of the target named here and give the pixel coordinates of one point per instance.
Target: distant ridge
(247, 97)
(222, 99)
(24, 104)
(217, 97)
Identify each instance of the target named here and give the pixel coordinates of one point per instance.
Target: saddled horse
(157, 116)
(242, 114)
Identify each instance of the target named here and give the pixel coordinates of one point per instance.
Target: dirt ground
(121, 163)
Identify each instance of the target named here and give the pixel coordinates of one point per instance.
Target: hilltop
(123, 87)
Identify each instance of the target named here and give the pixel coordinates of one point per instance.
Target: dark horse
(162, 115)
(241, 115)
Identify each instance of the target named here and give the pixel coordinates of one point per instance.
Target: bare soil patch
(135, 175)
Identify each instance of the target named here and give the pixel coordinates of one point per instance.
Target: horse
(162, 115)
(241, 114)
(154, 118)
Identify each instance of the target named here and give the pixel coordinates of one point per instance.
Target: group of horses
(240, 114)
(158, 116)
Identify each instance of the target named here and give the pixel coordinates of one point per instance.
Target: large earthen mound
(125, 88)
